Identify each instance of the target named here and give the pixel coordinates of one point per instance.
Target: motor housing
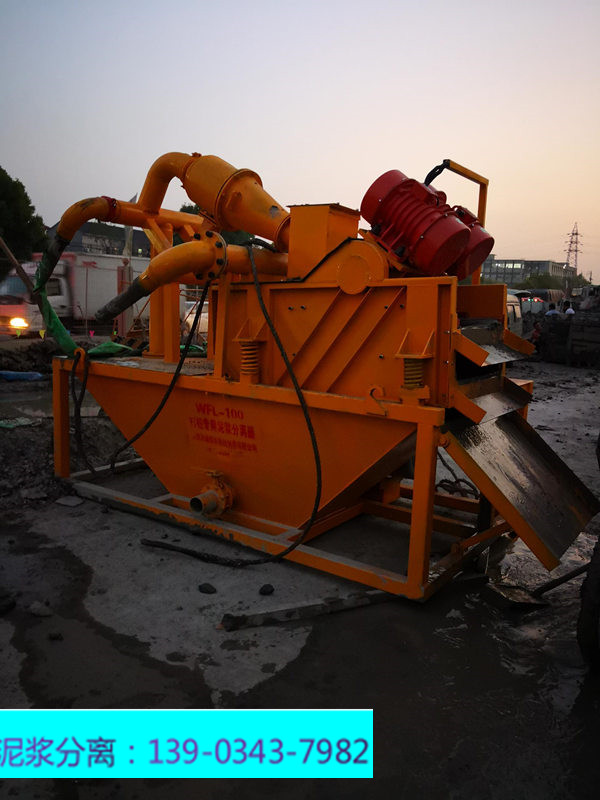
(415, 222)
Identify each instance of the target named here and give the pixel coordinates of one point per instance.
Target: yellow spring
(249, 363)
(413, 373)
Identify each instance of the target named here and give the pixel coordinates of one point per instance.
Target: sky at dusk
(319, 98)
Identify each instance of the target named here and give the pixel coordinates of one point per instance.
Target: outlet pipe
(193, 263)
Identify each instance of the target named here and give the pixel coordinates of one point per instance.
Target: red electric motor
(419, 227)
(478, 248)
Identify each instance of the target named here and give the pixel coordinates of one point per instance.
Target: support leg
(422, 506)
(157, 332)
(171, 322)
(60, 407)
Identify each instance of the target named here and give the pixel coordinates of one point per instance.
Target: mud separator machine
(389, 360)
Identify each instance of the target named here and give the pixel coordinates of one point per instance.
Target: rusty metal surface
(548, 496)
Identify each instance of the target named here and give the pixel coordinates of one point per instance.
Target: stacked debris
(37, 357)
(584, 339)
(572, 339)
(554, 339)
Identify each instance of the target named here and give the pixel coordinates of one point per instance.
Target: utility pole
(125, 319)
(573, 248)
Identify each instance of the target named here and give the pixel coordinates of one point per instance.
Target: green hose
(54, 326)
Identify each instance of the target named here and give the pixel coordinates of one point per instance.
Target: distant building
(512, 271)
(100, 237)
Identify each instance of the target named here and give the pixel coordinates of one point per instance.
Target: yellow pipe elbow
(75, 216)
(170, 265)
(160, 174)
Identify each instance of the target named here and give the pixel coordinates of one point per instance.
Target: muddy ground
(470, 700)
(27, 355)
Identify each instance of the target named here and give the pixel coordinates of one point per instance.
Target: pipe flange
(214, 498)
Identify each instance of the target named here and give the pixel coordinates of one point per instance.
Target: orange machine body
(381, 355)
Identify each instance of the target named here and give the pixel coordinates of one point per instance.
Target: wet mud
(470, 700)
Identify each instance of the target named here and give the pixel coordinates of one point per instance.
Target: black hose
(122, 301)
(305, 411)
(171, 386)
(208, 557)
(455, 486)
(433, 174)
(77, 403)
(239, 562)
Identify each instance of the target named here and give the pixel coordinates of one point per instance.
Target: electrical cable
(433, 174)
(208, 557)
(238, 562)
(453, 487)
(77, 403)
(78, 399)
(171, 385)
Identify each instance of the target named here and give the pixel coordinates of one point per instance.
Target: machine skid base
(174, 510)
(497, 455)
(352, 481)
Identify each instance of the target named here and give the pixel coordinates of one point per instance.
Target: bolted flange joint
(214, 498)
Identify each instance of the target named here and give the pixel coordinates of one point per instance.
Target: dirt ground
(470, 700)
(27, 354)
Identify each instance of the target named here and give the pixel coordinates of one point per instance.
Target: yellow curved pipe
(83, 211)
(160, 174)
(132, 214)
(232, 199)
(170, 265)
(238, 263)
(191, 262)
(267, 263)
(107, 209)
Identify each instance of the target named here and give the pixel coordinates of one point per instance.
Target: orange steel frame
(373, 350)
(421, 578)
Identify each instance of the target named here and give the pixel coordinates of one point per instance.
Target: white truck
(80, 284)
